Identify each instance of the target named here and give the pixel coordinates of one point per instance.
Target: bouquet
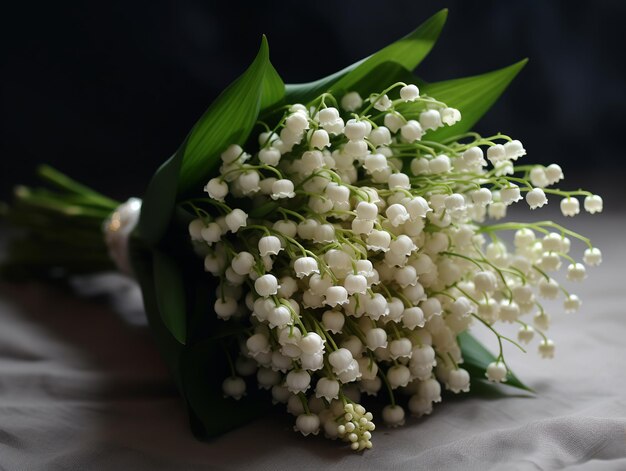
(312, 245)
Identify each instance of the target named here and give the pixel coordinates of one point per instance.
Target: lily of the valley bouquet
(313, 245)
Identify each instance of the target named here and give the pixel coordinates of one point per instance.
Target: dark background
(106, 91)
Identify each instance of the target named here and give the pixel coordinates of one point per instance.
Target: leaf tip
(264, 42)
(264, 50)
(519, 65)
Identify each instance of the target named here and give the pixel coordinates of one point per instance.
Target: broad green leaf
(203, 367)
(143, 269)
(227, 121)
(407, 52)
(473, 96)
(476, 358)
(303, 92)
(273, 88)
(380, 77)
(159, 201)
(170, 294)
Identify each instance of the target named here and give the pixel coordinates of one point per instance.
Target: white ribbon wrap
(117, 229)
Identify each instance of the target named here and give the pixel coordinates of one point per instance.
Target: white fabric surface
(81, 389)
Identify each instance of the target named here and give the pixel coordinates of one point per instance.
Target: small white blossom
(458, 381)
(236, 219)
(572, 303)
(217, 189)
(450, 116)
(576, 272)
(234, 387)
(266, 285)
(430, 119)
(336, 295)
(536, 198)
(411, 131)
(592, 256)
(351, 101)
(393, 416)
(546, 348)
(553, 174)
(514, 150)
(269, 245)
(510, 194)
(409, 92)
(305, 266)
(570, 206)
(593, 204)
(320, 139)
(381, 102)
(282, 189)
(496, 372)
(298, 381)
(496, 153)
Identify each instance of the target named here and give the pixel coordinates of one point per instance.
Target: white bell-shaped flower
(496, 372)
(458, 380)
(298, 381)
(234, 387)
(266, 285)
(269, 245)
(430, 119)
(536, 198)
(411, 131)
(593, 204)
(336, 295)
(409, 93)
(351, 101)
(592, 257)
(393, 416)
(305, 266)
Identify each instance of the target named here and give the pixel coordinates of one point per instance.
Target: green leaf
(473, 96)
(227, 121)
(380, 77)
(273, 88)
(203, 367)
(476, 358)
(170, 294)
(159, 201)
(143, 269)
(304, 92)
(407, 52)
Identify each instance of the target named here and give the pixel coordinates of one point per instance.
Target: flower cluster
(356, 249)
